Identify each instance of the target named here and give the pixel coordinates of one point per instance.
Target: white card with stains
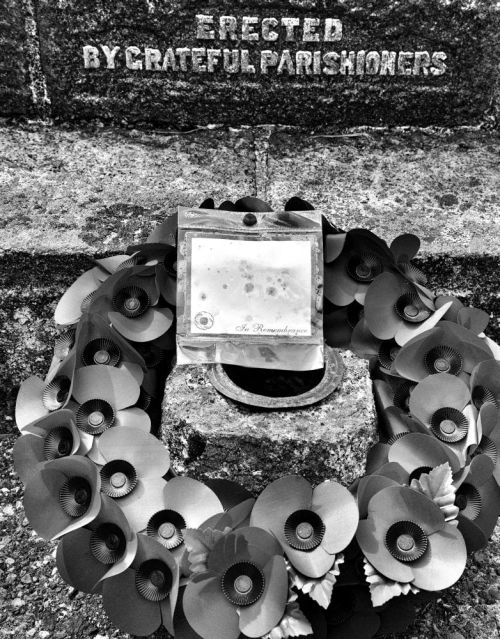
(245, 287)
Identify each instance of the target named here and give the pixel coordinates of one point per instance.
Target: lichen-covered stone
(211, 436)
(442, 186)
(65, 191)
(152, 90)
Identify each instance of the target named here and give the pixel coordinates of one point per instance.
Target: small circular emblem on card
(204, 320)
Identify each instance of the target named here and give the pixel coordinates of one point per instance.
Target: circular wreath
(208, 559)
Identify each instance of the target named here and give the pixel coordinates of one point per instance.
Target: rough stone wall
(44, 43)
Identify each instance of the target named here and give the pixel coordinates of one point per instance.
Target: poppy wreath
(209, 559)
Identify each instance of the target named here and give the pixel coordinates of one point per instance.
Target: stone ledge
(211, 436)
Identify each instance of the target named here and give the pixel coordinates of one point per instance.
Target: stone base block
(211, 436)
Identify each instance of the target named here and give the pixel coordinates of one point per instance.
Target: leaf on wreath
(438, 486)
(320, 590)
(199, 543)
(382, 589)
(292, 624)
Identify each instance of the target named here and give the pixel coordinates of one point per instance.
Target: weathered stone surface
(15, 97)
(310, 91)
(86, 191)
(212, 436)
(442, 186)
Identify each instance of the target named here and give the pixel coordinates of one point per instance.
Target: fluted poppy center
(75, 496)
(153, 580)
(56, 393)
(243, 583)
(468, 501)
(482, 395)
(364, 268)
(166, 527)
(421, 470)
(108, 543)
(387, 352)
(131, 301)
(449, 425)
(118, 478)
(95, 416)
(304, 530)
(443, 359)
(406, 541)
(102, 357)
(58, 443)
(101, 351)
(487, 447)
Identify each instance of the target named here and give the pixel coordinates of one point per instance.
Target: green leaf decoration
(292, 624)
(320, 590)
(199, 543)
(438, 486)
(382, 589)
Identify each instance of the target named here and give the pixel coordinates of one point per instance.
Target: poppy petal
(405, 247)
(443, 562)
(339, 288)
(148, 455)
(406, 331)
(208, 611)
(113, 385)
(416, 450)
(371, 541)
(334, 243)
(80, 568)
(435, 392)
(133, 418)
(144, 500)
(337, 508)
(29, 404)
(126, 608)
(68, 310)
(191, 499)
(381, 317)
(261, 617)
(369, 486)
(278, 501)
(153, 324)
(314, 563)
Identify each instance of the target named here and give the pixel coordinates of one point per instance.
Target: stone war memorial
(211, 281)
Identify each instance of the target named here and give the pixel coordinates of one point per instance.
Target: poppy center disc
(167, 530)
(442, 365)
(118, 480)
(96, 418)
(101, 357)
(243, 584)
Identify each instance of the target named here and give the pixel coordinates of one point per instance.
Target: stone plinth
(375, 63)
(211, 436)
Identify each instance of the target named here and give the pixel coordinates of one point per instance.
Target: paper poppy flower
(394, 309)
(489, 429)
(133, 311)
(78, 296)
(96, 342)
(446, 348)
(312, 525)
(339, 323)
(182, 503)
(48, 438)
(442, 403)
(63, 495)
(478, 500)
(37, 398)
(406, 539)
(353, 261)
(161, 259)
(142, 598)
(105, 547)
(105, 398)
(133, 465)
(485, 383)
(245, 588)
